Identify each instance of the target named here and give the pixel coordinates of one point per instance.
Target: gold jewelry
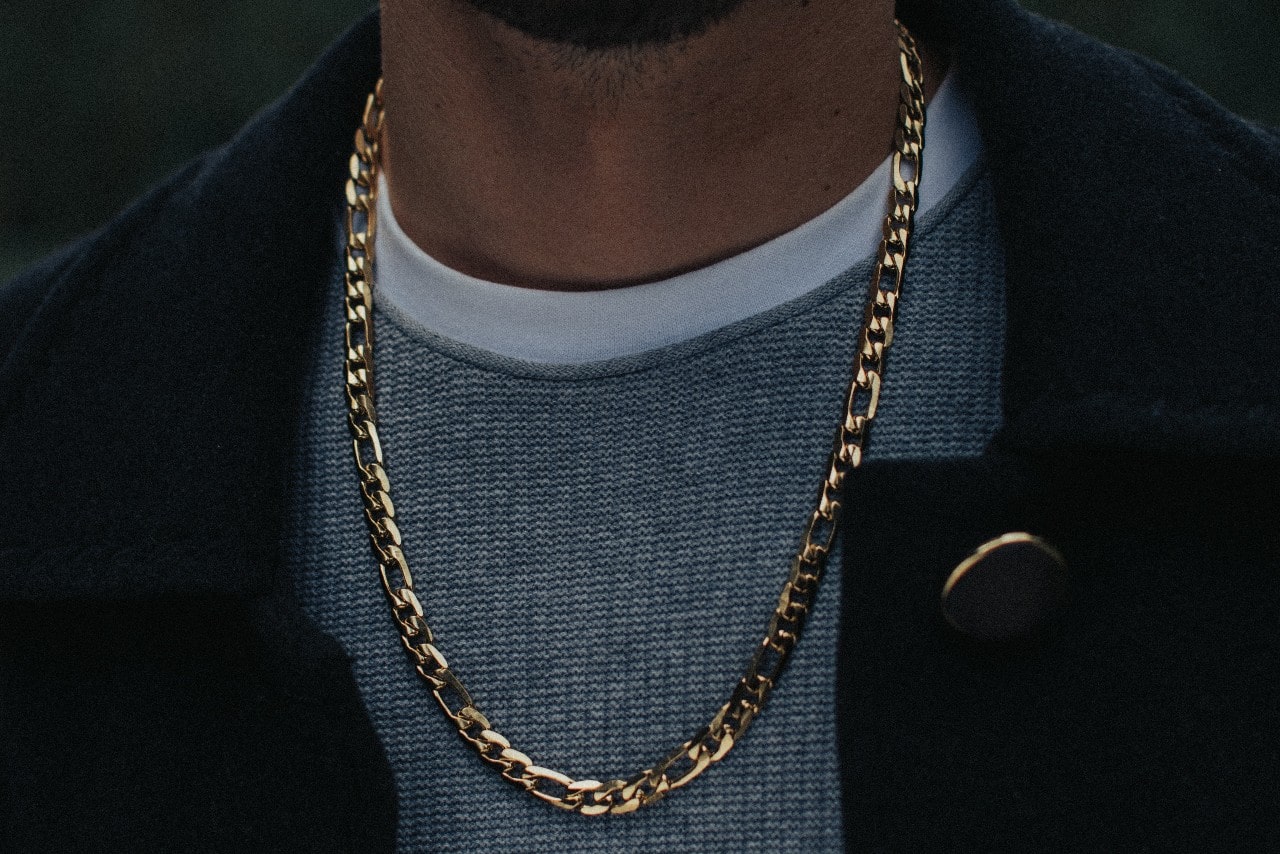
(712, 742)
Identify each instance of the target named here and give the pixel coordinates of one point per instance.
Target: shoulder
(163, 355)
(1141, 227)
(221, 213)
(46, 287)
(1052, 96)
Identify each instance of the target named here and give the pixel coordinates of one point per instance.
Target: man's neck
(533, 164)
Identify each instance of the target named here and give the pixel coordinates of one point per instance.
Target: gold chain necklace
(713, 741)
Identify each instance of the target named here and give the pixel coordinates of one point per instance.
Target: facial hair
(604, 24)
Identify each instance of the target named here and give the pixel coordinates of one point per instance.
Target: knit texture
(610, 619)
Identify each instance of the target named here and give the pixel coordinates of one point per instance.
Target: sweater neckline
(556, 328)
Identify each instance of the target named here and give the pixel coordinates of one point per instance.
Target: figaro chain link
(711, 743)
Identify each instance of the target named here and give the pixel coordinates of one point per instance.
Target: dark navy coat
(160, 688)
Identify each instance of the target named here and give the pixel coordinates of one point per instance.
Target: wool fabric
(609, 621)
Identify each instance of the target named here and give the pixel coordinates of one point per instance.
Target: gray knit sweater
(598, 547)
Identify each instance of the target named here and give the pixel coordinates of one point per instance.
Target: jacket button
(1011, 588)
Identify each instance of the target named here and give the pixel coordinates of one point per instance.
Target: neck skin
(532, 164)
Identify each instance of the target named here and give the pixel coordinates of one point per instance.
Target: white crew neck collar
(579, 327)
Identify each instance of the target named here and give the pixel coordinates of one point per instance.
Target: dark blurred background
(103, 97)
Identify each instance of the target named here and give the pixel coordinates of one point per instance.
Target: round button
(1009, 589)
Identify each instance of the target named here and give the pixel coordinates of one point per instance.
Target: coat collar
(156, 394)
(1138, 219)
(154, 400)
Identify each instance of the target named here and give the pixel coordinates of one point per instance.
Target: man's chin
(603, 24)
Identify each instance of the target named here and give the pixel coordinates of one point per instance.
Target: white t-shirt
(559, 327)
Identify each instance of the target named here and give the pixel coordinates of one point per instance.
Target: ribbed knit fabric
(599, 546)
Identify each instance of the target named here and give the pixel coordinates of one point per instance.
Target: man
(622, 256)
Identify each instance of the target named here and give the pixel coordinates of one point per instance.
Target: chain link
(710, 744)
